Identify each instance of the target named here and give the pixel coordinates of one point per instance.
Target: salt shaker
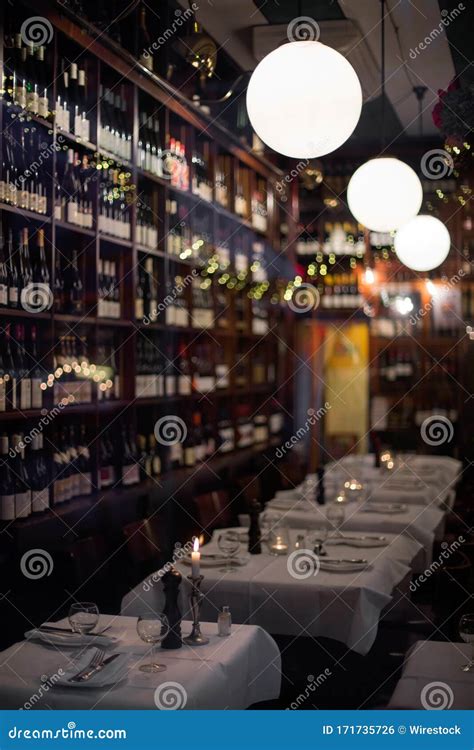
(224, 622)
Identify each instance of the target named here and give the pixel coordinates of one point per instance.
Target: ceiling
(249, 29)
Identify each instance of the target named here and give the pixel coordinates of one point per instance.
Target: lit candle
(195, 560)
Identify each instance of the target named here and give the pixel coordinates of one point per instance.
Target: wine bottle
(145, 50)
(22, 483)
(84, 464)
(127, 462)
(13, 297)
(73, 287)
(7, 483)
(70, 189)
(36, 374)
(10, 372)
(59, 477)
(3, 271)
(38, 476)
(189, 450)
(40, 270)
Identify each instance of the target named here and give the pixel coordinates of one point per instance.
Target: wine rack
(149, 272)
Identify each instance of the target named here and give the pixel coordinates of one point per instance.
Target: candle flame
(196, 545)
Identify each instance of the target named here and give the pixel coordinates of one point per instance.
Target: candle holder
(196, 638)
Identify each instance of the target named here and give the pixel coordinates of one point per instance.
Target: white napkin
(109, 675)
(335, 566)
(383, 508)
(216, 560)
(354, 541)
(290, 503)
(68, 638)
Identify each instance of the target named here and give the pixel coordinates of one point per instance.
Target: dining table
(286, 598)
(420, 523)
(232, 672)
(434, 677)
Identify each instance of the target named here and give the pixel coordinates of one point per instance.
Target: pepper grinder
(255, 546)
(171, 583)
(320, 496)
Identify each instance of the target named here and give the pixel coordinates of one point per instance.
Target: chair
(247, 488)
(143, 540)
(93, 571)
(213, 510)
(453, 593)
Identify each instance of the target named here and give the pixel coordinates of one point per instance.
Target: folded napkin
(216, 560)
(68, 638)
(357, 541)
(287, 503)
(342, 566)
(393, 494)
(391, 508)
(109, 675)
(294, 494)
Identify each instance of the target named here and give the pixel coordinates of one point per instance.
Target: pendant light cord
(382, 70)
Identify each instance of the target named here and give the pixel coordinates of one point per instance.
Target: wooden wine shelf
(106, 58)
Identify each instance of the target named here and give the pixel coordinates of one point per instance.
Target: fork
(96, 659)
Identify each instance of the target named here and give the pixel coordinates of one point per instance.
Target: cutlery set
(97, 664)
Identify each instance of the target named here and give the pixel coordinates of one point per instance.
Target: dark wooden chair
(93, 572)
(144, 545)
(247, 488)
(453, 593)
(212, 510)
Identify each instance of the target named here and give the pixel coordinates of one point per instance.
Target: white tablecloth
(442, 472)
(343, 606)
(232, 672)
(429, 663)
(421, 524)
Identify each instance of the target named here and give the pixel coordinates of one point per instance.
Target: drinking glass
(317, 538)
(153, 630)
(83, 617)
(229, 544)
(466, 631)
(336, 515)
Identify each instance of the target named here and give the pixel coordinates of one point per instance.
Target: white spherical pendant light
(423, 243)
(304, 99)
(384, 193)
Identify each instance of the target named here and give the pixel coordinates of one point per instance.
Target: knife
(91, 672)
(333, 560)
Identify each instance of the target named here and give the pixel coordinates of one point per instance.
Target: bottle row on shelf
(193, 300)
(199, 369)
(410, 367)
(78, 377)
(39, 471)
(339, 238)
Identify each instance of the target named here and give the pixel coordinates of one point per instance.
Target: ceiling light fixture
(384, 193)
(423, 243)
(304, 99)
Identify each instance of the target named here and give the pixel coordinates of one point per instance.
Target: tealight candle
(341, 497)
(279, 546)
(196, 560)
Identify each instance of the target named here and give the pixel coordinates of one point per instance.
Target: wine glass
(317, 538)
(153, 630)
(336, 515)
(466, 631)
(83, 617)
(229, 544)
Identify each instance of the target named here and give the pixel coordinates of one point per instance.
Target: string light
(85, 370)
